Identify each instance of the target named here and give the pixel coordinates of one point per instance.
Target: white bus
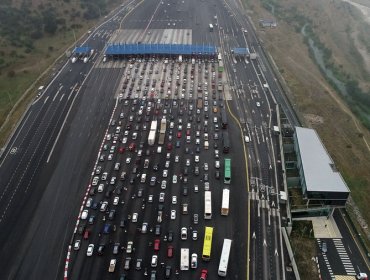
(225, 202)
(207, 205)
(224, 260)
(184, 259)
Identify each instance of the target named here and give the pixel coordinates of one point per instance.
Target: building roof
(177, 49)
(319, 171)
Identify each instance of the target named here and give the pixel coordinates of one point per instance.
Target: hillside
(35, 32)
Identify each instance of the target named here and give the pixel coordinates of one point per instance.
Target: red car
(203, 275)
(121, 150)
(87, 234)
(169, 146)
(132, 147)
(170, 251)
(157, 244)
(188, 132)
(179, 134)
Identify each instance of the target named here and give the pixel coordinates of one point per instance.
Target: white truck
(184, 259)
(151, 138)
(162, 131)
(152, 132)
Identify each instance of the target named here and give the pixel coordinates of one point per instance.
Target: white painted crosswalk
(342, 252)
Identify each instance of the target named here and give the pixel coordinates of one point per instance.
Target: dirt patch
(312, 119)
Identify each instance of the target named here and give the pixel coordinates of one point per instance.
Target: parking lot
(147, 195)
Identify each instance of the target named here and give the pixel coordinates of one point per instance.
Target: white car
(205, 166)
(84, 214)
(187, 162)
(116, 200)
(128, 160)
(95, 181)
(194, 261)
(77, 245)
(173, 214)
(184, 233)
(124, 140)
(194, 235)
(196, 158)
(110, 156)
(217, 164)
(258, 104)
(174, 179)
(177, 158)
(129, 247)
(134, 218)
(174, 199)
(89, 202)
(90, 250)
(104, 176)
(165, 173)
(163, 184)
(154, 261)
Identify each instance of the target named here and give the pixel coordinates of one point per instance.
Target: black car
(167, 273)
(158, 230)
(170, 236)
(101, 249)
(185, 191)
(217, 175)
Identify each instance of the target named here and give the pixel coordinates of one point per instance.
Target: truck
(151, 138)
(199, 103)
(152, 132)
(162, 131)
(184, 259)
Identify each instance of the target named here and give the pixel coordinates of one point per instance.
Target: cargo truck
(184, 259)
(162, 131)
(152, 132)
(199, 103)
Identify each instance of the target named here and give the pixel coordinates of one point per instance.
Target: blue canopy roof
(241, 51)
(127, 49)
(82, 50)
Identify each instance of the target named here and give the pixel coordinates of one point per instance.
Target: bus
(207, 205)
(225, 142)
(227, 174)
(220, 66)
(225, 202)
(223, 119)
(224, 260)
(211, 27)
(207, 244)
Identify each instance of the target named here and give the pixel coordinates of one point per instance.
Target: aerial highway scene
(164, 146)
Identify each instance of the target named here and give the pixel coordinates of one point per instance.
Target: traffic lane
(28, 180)
(69, 185)
(13, 186)
(349, 243)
